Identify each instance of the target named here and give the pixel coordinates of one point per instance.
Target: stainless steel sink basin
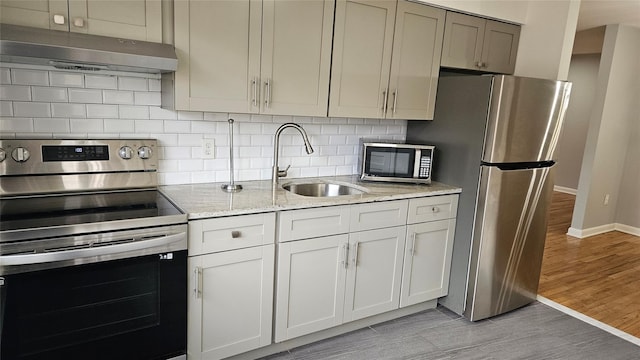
(323, 189)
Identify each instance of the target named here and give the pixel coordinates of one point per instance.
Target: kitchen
(127, 105)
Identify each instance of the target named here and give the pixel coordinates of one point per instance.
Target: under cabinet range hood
(77, 51)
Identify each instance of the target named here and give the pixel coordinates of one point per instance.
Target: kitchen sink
(324, 189)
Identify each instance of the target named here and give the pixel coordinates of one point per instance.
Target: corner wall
(610, 159)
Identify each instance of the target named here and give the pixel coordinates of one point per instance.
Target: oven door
(124, 308)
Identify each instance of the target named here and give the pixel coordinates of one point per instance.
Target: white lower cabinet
(310, 285)
(230, 304)
(374, 272)
(427, 261)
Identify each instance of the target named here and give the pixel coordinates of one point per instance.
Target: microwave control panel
(425, 166)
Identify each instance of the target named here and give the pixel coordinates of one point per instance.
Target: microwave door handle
(416, 164)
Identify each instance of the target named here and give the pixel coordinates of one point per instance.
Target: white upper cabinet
(376, 74)
(478, 44)
(130, 19)
(252, 56)
(415, 62)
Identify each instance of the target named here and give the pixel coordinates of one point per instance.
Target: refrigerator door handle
(520, 165)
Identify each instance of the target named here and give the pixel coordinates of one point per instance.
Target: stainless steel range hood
(67, 50)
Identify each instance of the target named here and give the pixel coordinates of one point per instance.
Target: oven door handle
(27, 259)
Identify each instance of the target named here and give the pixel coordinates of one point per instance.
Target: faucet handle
(283, 173)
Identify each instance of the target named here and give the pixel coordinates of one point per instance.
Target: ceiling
(595, 13)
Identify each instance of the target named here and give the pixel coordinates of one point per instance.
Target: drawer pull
(235, 234)
(435, 209)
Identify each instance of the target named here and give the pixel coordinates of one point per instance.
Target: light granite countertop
(208, 200)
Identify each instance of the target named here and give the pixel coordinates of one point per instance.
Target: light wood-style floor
(598, 276)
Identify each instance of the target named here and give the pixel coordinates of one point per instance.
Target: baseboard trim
(628, 229)
(584, 233)
(591, 321)
(565, 190)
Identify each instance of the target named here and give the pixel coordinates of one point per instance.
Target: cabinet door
(500, 47)
(296, 56)
(374, 272)
(415, 62)
(462, 45)
(310, 286)
(129, 19)
(230, 305)
(35, 13)
(361, 58)
(218, 48)
(427, 261)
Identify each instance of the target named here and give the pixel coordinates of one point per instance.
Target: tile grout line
(591, 321)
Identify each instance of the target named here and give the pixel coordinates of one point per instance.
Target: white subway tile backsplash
(190, 140)
(155, 85)
(29, 77)
(132, 83)
(190, 165)
(86, 96)
(152, 126)
(119, 126)
(147, 98)
(131, 111)
(16, 125)
(15, 92)
(177, 153)
(51, 125)
(190, 115)
(5, 76)
(101, 81)
(49, 94)
(31, 109)
(86, 125)
(6, 108)
(67, 79)
(69, 110)
(176, 126)
(102, 111)
(162, 114)
(117, 97)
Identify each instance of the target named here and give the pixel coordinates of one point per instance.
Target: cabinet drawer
(229, 233)
(311, 223)
(432, 208)
(378, 215)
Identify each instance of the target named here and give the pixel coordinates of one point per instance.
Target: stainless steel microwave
(380, 161)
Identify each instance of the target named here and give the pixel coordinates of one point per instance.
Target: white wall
(613, 126)
(43, 102)
(583, 73)
(511, 11)
(546, 39)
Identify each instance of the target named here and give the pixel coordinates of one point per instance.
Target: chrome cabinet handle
(197, 282)
(345, 259)
(267, 98)
(385, 97)
(412, 250)
(254, 83)
(355, 253)
(395, 99)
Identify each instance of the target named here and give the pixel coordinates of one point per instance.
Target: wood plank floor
(598, 276)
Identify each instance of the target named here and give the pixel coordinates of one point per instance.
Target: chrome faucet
(276, 172)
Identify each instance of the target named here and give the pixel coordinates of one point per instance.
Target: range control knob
(144, 152)
(3, 155)
(125, 152)
(20, 154)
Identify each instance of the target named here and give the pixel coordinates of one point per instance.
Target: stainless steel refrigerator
(495, 137)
